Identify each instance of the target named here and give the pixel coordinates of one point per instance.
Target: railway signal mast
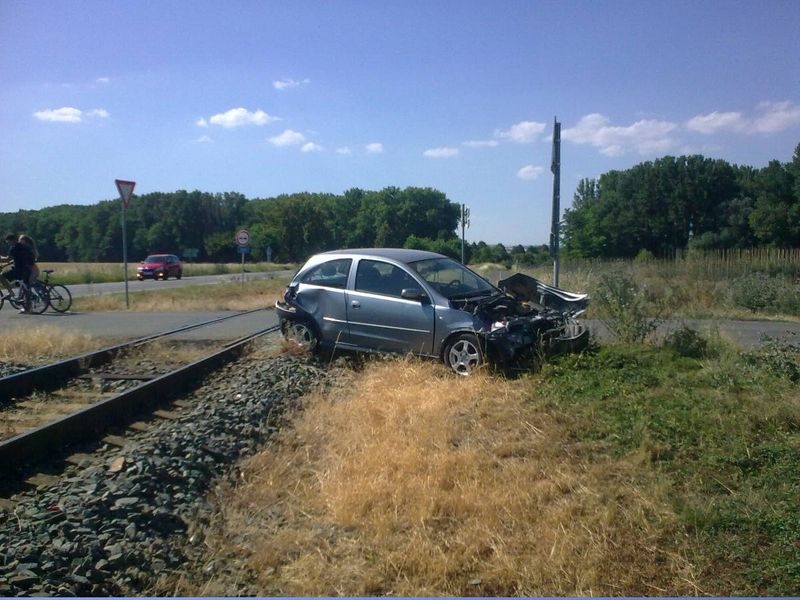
(555, 227)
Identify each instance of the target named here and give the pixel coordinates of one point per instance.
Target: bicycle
(58, 296)
(38, 298)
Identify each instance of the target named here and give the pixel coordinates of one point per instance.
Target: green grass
(722, 431)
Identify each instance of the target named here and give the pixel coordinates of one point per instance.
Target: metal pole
(462, 234)
(555, 167)
(125, 257)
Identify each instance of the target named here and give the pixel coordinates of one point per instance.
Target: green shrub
(780, 358)
(688, 343)
(756, 291)
(630, 311)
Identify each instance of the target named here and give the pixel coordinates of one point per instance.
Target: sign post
(125, 189)
(243, 241)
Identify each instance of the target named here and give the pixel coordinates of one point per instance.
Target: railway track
(48, 410)
(117, 515)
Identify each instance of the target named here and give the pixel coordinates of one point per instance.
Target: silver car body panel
(405, 312)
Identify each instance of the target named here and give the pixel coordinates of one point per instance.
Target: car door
(322, 295)
(379, 318)
(172, 265)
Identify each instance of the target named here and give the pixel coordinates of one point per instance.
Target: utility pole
(464, 224)
(555, 227)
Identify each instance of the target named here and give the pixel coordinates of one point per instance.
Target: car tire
(463, 354)
(179, 274)
(302, 334)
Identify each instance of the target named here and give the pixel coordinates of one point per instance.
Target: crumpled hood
(529, 289)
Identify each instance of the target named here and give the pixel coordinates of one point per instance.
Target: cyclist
(23, 258)
(28, 241)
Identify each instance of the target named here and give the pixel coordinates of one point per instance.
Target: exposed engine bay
(529, 321)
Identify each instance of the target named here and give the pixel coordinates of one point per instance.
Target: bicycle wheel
(38, 299)
(59, 297)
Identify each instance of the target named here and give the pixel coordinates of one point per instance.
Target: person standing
(23, 259)
(34, 275)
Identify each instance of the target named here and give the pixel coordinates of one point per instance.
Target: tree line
(657, 208)
(673, 204)
(200, 226)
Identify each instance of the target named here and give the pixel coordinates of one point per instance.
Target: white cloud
(481, 143)
(287, 138)
(776, 116)
(530, 172)
(644, 137)
(237, 117)
(344, 150)
(204, 139)
(311, 147)
(374, 148)
(285, 84)
(69, 114)
(716, 121)
(522, 132)
(444, 152)
(103, 80)
(772, 118)
(66, 114)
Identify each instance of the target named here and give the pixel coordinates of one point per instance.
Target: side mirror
(415, 294)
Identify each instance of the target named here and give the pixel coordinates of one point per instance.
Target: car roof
(404, 255)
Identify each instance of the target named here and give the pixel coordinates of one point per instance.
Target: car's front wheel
(463, 354)
(301, 334)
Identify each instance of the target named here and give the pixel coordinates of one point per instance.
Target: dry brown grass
(409, 481)
(221, 296)
(43, 343)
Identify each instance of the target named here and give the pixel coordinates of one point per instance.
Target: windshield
(155, 259)
(451, 278)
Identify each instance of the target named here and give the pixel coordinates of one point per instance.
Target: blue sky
(272, 97)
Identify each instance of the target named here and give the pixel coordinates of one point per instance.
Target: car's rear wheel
(302, 334)
(463, 354)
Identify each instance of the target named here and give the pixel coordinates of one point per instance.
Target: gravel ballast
(125, 517)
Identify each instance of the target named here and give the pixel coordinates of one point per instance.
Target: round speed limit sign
(242, 237)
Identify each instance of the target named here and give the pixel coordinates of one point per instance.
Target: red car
(160, 266)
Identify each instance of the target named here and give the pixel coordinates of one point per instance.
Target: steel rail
(17, 454)
(52, 376)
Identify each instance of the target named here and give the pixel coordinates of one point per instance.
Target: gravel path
(128, 516)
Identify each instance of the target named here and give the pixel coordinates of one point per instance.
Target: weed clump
(629, 310)
(688, 343)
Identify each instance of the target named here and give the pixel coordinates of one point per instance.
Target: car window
(332, 273)
(451, 278)
(382, 278)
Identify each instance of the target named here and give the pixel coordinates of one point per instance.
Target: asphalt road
(118, 287)
(123, 325)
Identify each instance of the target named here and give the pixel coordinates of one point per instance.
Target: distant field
(68, 273)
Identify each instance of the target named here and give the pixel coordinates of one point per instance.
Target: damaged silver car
(401, 300)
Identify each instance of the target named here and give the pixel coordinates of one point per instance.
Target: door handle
(355, 304)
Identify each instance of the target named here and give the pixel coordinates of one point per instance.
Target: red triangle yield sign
(125, 190)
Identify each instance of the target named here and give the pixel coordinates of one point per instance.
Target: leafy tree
(775, 219)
